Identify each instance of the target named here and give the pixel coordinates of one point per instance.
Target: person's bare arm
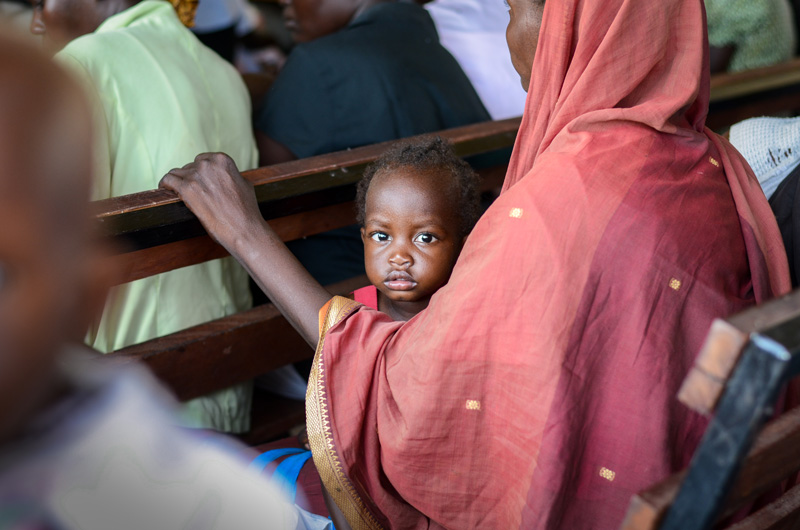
(225, 203)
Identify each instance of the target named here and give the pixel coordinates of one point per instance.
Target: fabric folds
(538, 388)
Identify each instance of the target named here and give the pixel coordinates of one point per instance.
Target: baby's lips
(399, 276)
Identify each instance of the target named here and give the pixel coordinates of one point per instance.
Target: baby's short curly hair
(429, 154)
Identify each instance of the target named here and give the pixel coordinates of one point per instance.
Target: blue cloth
(286, 474)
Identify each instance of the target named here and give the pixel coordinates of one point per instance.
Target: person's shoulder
(91, 49)
(105, 55)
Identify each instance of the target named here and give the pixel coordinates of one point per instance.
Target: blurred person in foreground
(83, 444)
(159, 97)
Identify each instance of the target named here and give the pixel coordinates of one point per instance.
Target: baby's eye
(380, 237)
(426, 238)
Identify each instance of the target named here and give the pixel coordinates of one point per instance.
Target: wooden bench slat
(783, 514)
(164, 258)
(737, 84)
(759, 92)
(226, 351)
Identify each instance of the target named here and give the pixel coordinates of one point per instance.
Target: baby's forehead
(427, 180)
(429, 191)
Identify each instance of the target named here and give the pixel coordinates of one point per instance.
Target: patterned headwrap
(186, 11)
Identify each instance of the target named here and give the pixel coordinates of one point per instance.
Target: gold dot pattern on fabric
(516, 213)
(675, 284)
(607, 474)
(473, 404)
(713, 161)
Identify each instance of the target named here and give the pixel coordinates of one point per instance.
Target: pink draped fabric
(538, 388)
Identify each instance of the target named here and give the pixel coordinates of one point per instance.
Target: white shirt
(474, 32)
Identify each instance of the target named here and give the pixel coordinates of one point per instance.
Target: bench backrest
(759, 92)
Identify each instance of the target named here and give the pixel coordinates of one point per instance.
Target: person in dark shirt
(363, 71)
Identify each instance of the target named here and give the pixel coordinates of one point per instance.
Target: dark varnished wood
(783, 514)
(153, 232)
(759, 92)
(226, 351)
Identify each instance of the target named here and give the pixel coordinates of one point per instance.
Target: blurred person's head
(44, 227)
(308, 20)
(61, 21)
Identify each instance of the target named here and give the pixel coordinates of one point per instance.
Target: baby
(416, 205)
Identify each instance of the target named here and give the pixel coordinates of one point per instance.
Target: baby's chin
(408, 297)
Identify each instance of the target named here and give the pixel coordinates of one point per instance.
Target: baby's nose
(401, 259)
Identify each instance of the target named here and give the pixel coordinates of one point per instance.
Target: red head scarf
(631, 68)
(538, 388)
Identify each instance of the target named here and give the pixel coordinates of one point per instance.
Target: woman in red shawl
(538, 388)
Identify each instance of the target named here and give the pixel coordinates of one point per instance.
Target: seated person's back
(161, 98)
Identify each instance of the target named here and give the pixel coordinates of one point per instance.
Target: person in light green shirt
(160, 98)
(747, 34)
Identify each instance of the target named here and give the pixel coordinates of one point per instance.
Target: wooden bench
(760, 92)
(743, 368)
(154, 232)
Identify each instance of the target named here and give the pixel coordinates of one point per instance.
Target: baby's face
(411, 234)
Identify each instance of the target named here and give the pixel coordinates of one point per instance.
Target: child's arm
(225, 203)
